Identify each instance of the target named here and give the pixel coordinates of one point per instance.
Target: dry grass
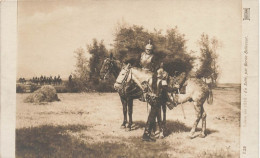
(88, 125)
(46, 93)
(55, 141)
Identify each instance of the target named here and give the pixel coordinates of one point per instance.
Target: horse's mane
(118, 63)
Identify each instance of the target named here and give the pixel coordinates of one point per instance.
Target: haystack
(46, 93)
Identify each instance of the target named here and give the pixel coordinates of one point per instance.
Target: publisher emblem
(246, 13)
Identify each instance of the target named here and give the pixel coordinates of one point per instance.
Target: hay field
(88, 125)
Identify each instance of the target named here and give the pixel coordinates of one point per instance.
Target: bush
(20, 89)
(74, 86)
(104, 87)
(61, 89)
(33, 87)
(46, 93)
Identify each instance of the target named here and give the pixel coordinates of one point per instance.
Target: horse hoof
(202, 135)
(153, 133)
(123, 127)
(161, 136)
(190, 136)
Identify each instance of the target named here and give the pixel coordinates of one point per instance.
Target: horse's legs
(130, 112)
(198, 111)
(203, 119)
(124, 104)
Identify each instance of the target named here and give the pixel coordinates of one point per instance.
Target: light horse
(197, 91)
(143, 79)
(130, 92)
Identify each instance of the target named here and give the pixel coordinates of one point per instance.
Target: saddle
(150, 91)
(132, 90)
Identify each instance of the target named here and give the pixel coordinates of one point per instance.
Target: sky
(50, 31)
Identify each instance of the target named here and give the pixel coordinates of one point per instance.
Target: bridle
(109, 69)
(123, 82)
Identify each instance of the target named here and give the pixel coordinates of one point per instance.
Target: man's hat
(149, 46)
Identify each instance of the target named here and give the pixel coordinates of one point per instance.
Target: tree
(98, 52)
(208, 59)
(82, 71)
(215, 45)
(170, 48)
(130, 42)
(86, 74)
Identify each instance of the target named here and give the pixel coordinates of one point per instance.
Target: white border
(249, 137)
(249, 131)
(8, 72)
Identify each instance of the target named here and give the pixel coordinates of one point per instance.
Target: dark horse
(129, 93)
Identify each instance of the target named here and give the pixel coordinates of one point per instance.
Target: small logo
(246, 13)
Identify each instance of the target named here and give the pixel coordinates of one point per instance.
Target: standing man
(147, 62)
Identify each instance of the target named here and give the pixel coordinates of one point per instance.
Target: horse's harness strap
(125, 78)
(109, 69)
(123, 83)
(107, 73)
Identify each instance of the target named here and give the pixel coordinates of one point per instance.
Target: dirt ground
(88, 125)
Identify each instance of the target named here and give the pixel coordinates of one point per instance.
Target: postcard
(169, 78)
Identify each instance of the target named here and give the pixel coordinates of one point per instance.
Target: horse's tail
(210, 97)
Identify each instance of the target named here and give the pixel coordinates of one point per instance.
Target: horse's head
(107, 67)
(123, 77)
(175, 82)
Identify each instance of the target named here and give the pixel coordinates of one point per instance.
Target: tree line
(129, 42)
(42, 80)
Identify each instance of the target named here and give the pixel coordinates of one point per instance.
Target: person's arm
(155, 66)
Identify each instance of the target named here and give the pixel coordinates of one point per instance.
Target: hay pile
(46, 93)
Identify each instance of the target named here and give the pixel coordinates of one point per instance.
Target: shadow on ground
(179, 127)
(49, 141)
(172, 127)
(57, 141)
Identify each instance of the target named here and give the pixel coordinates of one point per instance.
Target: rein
(123, 82)
(182, 106)
(107, 73)
(109, 69)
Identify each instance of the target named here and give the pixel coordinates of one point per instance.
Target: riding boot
(153, 128)
(149, 124)
(147, 133)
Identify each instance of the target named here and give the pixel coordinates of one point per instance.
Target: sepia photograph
(131, 79)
